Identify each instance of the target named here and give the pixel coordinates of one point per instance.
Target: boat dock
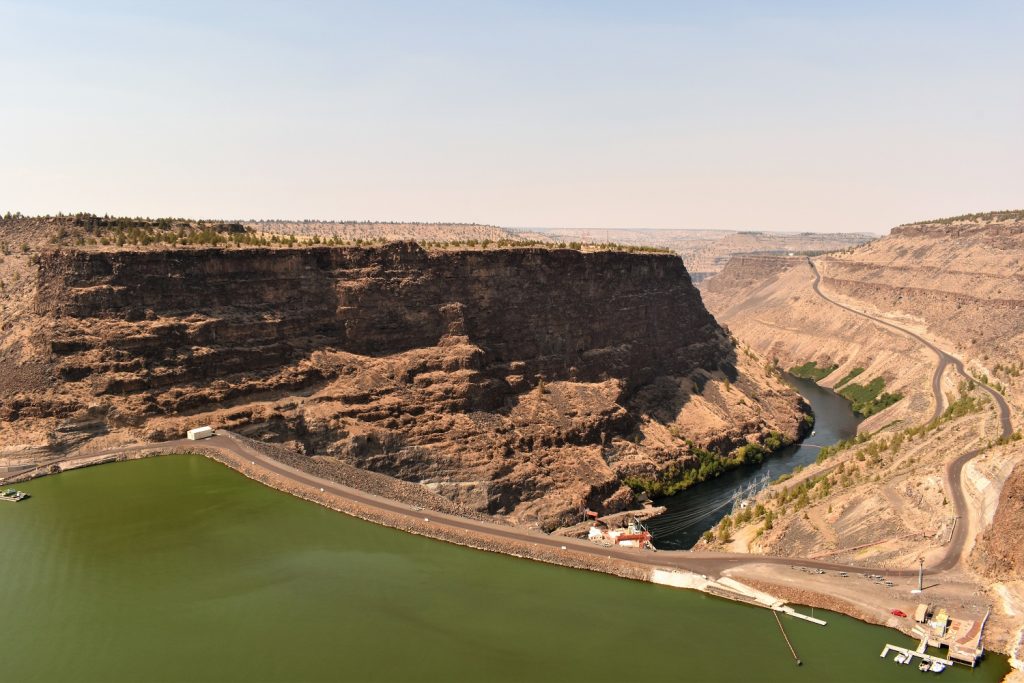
(12, 496)
(906, 656)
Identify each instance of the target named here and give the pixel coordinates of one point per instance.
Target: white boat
(938, 667)
(900, 658)
(923, 666)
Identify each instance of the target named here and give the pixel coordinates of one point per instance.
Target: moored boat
(12, 495)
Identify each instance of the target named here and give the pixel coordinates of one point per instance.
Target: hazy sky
(780, 115)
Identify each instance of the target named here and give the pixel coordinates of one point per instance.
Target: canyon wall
(960, 279)
(561, 314)
(519, 382)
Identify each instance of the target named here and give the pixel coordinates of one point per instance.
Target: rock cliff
(522, 382)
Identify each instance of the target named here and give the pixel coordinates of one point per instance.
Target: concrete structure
(921, 613)
(200, 433)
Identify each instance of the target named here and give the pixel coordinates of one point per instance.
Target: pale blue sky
(784, 115)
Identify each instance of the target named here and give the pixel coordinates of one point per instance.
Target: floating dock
(12, 496)
(905, 656)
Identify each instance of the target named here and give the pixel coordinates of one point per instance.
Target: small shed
(921, 613)
(200, 433)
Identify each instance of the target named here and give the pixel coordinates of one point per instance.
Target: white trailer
(200, 433)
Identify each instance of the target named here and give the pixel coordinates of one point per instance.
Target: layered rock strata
(521, 382)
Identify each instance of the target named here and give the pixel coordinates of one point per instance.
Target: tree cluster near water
(709, 465)
(868, 399)
(847, 377)
(811, 371)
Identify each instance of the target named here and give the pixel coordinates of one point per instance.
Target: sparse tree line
(85, 229)
(709, 464)
(989, 216)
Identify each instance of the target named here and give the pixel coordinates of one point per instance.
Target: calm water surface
(699, 508)
(177, 568)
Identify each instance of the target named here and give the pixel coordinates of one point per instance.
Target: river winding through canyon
(692, 512)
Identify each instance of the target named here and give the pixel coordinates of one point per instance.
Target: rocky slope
(518, 382)
(959, 279)
(887, 498)
(769, 303)
(998, 552)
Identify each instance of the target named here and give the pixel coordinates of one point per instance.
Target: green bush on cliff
(811, 371)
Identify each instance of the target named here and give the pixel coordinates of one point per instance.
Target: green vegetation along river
(178, 568)
(691, 512)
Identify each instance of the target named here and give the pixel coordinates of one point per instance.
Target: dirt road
(702, 562)
(954, 468)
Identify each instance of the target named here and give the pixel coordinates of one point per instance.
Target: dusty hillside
(890, 496)
(770, 303)
(521, 382)
(960, 280)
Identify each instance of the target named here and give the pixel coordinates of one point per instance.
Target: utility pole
(920, 576)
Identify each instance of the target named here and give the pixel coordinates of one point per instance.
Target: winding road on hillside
(954, 468)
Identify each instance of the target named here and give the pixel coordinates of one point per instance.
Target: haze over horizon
(798, 117)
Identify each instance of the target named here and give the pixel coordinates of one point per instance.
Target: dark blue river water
(699, 508)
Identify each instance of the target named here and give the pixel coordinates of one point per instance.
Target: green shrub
(850, 375)
(810, 370)
(868, 399)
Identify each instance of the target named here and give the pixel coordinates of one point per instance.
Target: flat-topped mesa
(523, 381)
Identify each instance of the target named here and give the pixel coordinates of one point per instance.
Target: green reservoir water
(179, 569)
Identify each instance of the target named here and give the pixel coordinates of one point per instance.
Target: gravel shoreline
(470, 539)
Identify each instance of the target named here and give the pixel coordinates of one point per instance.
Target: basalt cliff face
(518, 382)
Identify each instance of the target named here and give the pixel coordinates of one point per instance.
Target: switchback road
(954, 468)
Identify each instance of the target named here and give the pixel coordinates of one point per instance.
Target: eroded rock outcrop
(521, 382)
